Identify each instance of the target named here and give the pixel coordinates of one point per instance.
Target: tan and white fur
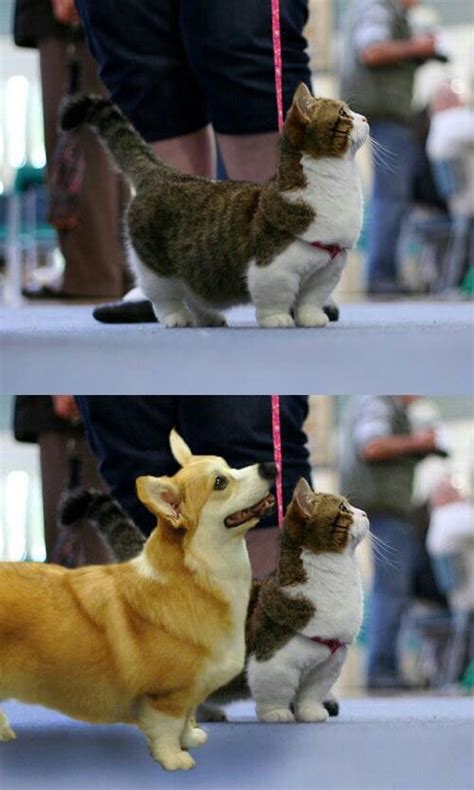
(143, 642)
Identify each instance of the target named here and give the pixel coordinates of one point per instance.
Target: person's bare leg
(193, 153)
(249, 157)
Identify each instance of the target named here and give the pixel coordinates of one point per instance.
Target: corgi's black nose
(267, 471)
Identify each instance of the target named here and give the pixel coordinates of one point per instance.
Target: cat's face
(324, 522)
(323, 127)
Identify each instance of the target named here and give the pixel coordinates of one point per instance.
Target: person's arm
(384, 53)
(386, 448)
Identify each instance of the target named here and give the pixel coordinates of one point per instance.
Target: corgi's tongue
(266, 505)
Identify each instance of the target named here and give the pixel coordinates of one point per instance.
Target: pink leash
(276, 422)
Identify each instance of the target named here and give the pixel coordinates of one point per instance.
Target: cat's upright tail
(104, 513)
(131, 153)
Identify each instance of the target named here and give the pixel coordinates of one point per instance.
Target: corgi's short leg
(6, 732)
(163, 733)
(192, 735)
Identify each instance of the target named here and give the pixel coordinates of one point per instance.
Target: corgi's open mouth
(266, 505)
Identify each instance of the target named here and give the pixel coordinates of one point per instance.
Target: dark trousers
(130, 436)
(391, 592)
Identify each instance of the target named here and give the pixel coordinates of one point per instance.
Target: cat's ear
(303, 102)
(161, 497)
(179, 448)
(303, 498)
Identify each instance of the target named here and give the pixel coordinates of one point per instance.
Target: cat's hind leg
(315, 687)
(315, 292)
(6, 732)
(165, 293)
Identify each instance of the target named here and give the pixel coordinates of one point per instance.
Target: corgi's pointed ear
(303, 498)
(302, 102)
(179, 448)
(161, 497)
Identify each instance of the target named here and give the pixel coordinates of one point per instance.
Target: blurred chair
(25, 235)
(444, 637)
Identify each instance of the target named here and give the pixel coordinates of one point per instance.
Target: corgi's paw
(7, 734)
(311, 317)
(193, 737)
(275, 320)
(174, 761)
(311, 711)
(272, 715)
(181, 318)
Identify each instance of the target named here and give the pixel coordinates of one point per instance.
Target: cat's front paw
(311, 317)
(193, 737)
(311, 712)
(275, 320)
(176, 320)
(7, 734)
(275, 715)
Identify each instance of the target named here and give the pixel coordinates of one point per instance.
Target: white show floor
(421, 743)
(379, 348)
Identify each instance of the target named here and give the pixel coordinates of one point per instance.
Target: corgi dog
(142, 642)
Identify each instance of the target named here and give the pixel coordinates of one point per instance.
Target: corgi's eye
(343, 113)
(343, 508)
(220, 483)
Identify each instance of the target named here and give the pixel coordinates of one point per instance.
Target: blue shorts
(173, 66)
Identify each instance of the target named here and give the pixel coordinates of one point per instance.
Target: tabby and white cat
(196, 244)
(300, 619)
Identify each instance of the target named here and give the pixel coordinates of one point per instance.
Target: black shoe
(332, 312)
(332, 707)
(126, 313)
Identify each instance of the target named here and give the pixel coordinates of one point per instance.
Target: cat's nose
(267, 471)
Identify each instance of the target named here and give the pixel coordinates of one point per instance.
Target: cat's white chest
(334, 191)
(333, 585)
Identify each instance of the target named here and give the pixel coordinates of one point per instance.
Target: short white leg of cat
(273, 684)
(315, 687)
(315, 292)
(163, 734)
(192, 735)
(6, 732)
(273, 289)
(165, 293)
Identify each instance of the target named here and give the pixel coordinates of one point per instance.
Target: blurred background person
(450, 146)
(379, 453)
(450, 542)
(379, 58)
(93, 251)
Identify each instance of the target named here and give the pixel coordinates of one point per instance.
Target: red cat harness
(332, 644)
(333, 249)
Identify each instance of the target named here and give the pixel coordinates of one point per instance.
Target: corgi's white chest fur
(230, 572)
(334, 192)
(334, 587)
